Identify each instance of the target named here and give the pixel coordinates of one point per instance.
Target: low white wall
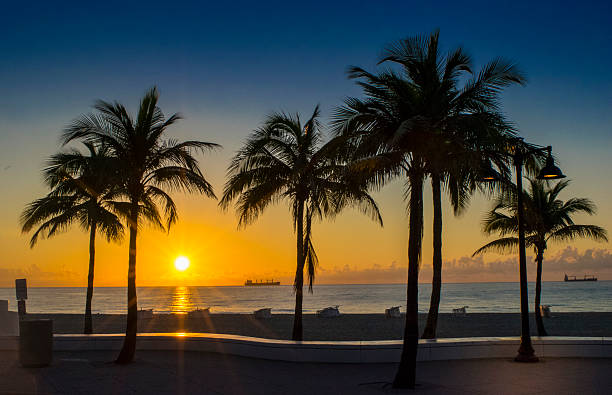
(335, 352)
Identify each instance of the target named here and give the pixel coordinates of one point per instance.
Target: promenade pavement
(176, 372)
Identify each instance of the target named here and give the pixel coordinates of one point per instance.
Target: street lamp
(526, 352)
(550, 171)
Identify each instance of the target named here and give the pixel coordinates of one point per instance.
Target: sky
(226, 65)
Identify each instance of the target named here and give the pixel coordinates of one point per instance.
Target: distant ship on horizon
(585, 278)
(250, 283)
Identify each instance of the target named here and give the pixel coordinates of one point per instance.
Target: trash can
(9, 321)
(35, 342)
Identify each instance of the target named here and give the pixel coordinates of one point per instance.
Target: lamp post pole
(525, 351)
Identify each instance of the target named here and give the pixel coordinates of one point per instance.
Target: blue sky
(266, 55)
(225, 65)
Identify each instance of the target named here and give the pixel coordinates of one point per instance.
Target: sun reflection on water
(182, 301)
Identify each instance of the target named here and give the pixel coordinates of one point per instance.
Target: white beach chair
(145, 314)
(198, 313)
(263, 314)
(329, 312)
(545, 310)
(393, 312)
(461, 311)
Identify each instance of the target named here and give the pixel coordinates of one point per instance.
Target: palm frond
(312, 260)
(502, 245)
(170, 210)
(573, 232)
(180, 178)
(547, 218)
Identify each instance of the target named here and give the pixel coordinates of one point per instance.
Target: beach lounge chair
(545, 310)
(263, 314)
(145, 314)
(198, 313)
(461, 310)
(393, 312)
(329, 312)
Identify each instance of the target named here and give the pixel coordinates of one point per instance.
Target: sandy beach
(345, 327)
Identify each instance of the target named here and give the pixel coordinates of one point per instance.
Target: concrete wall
(335, 352)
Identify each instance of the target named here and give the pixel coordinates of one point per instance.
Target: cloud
(393, 273)
(39, 277)
(464, 269)
(468, 269)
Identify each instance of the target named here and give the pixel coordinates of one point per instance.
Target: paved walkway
(192, 372)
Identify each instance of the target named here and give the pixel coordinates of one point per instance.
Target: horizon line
(284, 285)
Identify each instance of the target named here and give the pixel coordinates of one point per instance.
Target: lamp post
(526, 352)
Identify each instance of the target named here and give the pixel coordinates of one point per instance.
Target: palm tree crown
(80, 191)
(431, 110)
(148, 163)
(547, 218)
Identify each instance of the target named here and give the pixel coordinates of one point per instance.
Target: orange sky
(352, 249)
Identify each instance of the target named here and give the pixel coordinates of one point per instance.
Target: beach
(346, 327)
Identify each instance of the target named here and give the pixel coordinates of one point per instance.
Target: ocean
(479, 297)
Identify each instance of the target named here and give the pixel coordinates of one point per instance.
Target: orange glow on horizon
(351, 249)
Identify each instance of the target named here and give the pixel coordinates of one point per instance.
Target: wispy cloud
(468, 269)
(39, 277)
(464, 269)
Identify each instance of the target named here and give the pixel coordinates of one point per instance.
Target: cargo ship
(585, 278)
(260, 283)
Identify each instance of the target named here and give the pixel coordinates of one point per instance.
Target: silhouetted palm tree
(546, 219)
(421, 121)
(284, 159)
(148, 166)
(81, 187)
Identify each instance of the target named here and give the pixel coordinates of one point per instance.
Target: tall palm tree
(81, 190)
(421, 121)
(547, 219)
(149, 166)
(285, 159)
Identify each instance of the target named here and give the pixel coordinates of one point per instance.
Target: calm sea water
(480, 297)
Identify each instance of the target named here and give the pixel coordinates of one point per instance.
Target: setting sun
(181, 263)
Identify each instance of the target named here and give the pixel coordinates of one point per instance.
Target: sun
(181, 263)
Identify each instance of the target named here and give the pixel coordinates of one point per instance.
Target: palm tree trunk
(406, 372)
(538, 293)
(88, 326)
(129, 343)
(299, 276)
(436, 284)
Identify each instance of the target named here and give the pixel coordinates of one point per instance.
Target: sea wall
(334, 352)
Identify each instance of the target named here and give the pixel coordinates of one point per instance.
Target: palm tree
(547, 218)
(149, 166)
(284, 159)
(80, 192)
(419, 122)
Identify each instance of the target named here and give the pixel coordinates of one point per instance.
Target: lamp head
(550, 171)
(489, 174)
